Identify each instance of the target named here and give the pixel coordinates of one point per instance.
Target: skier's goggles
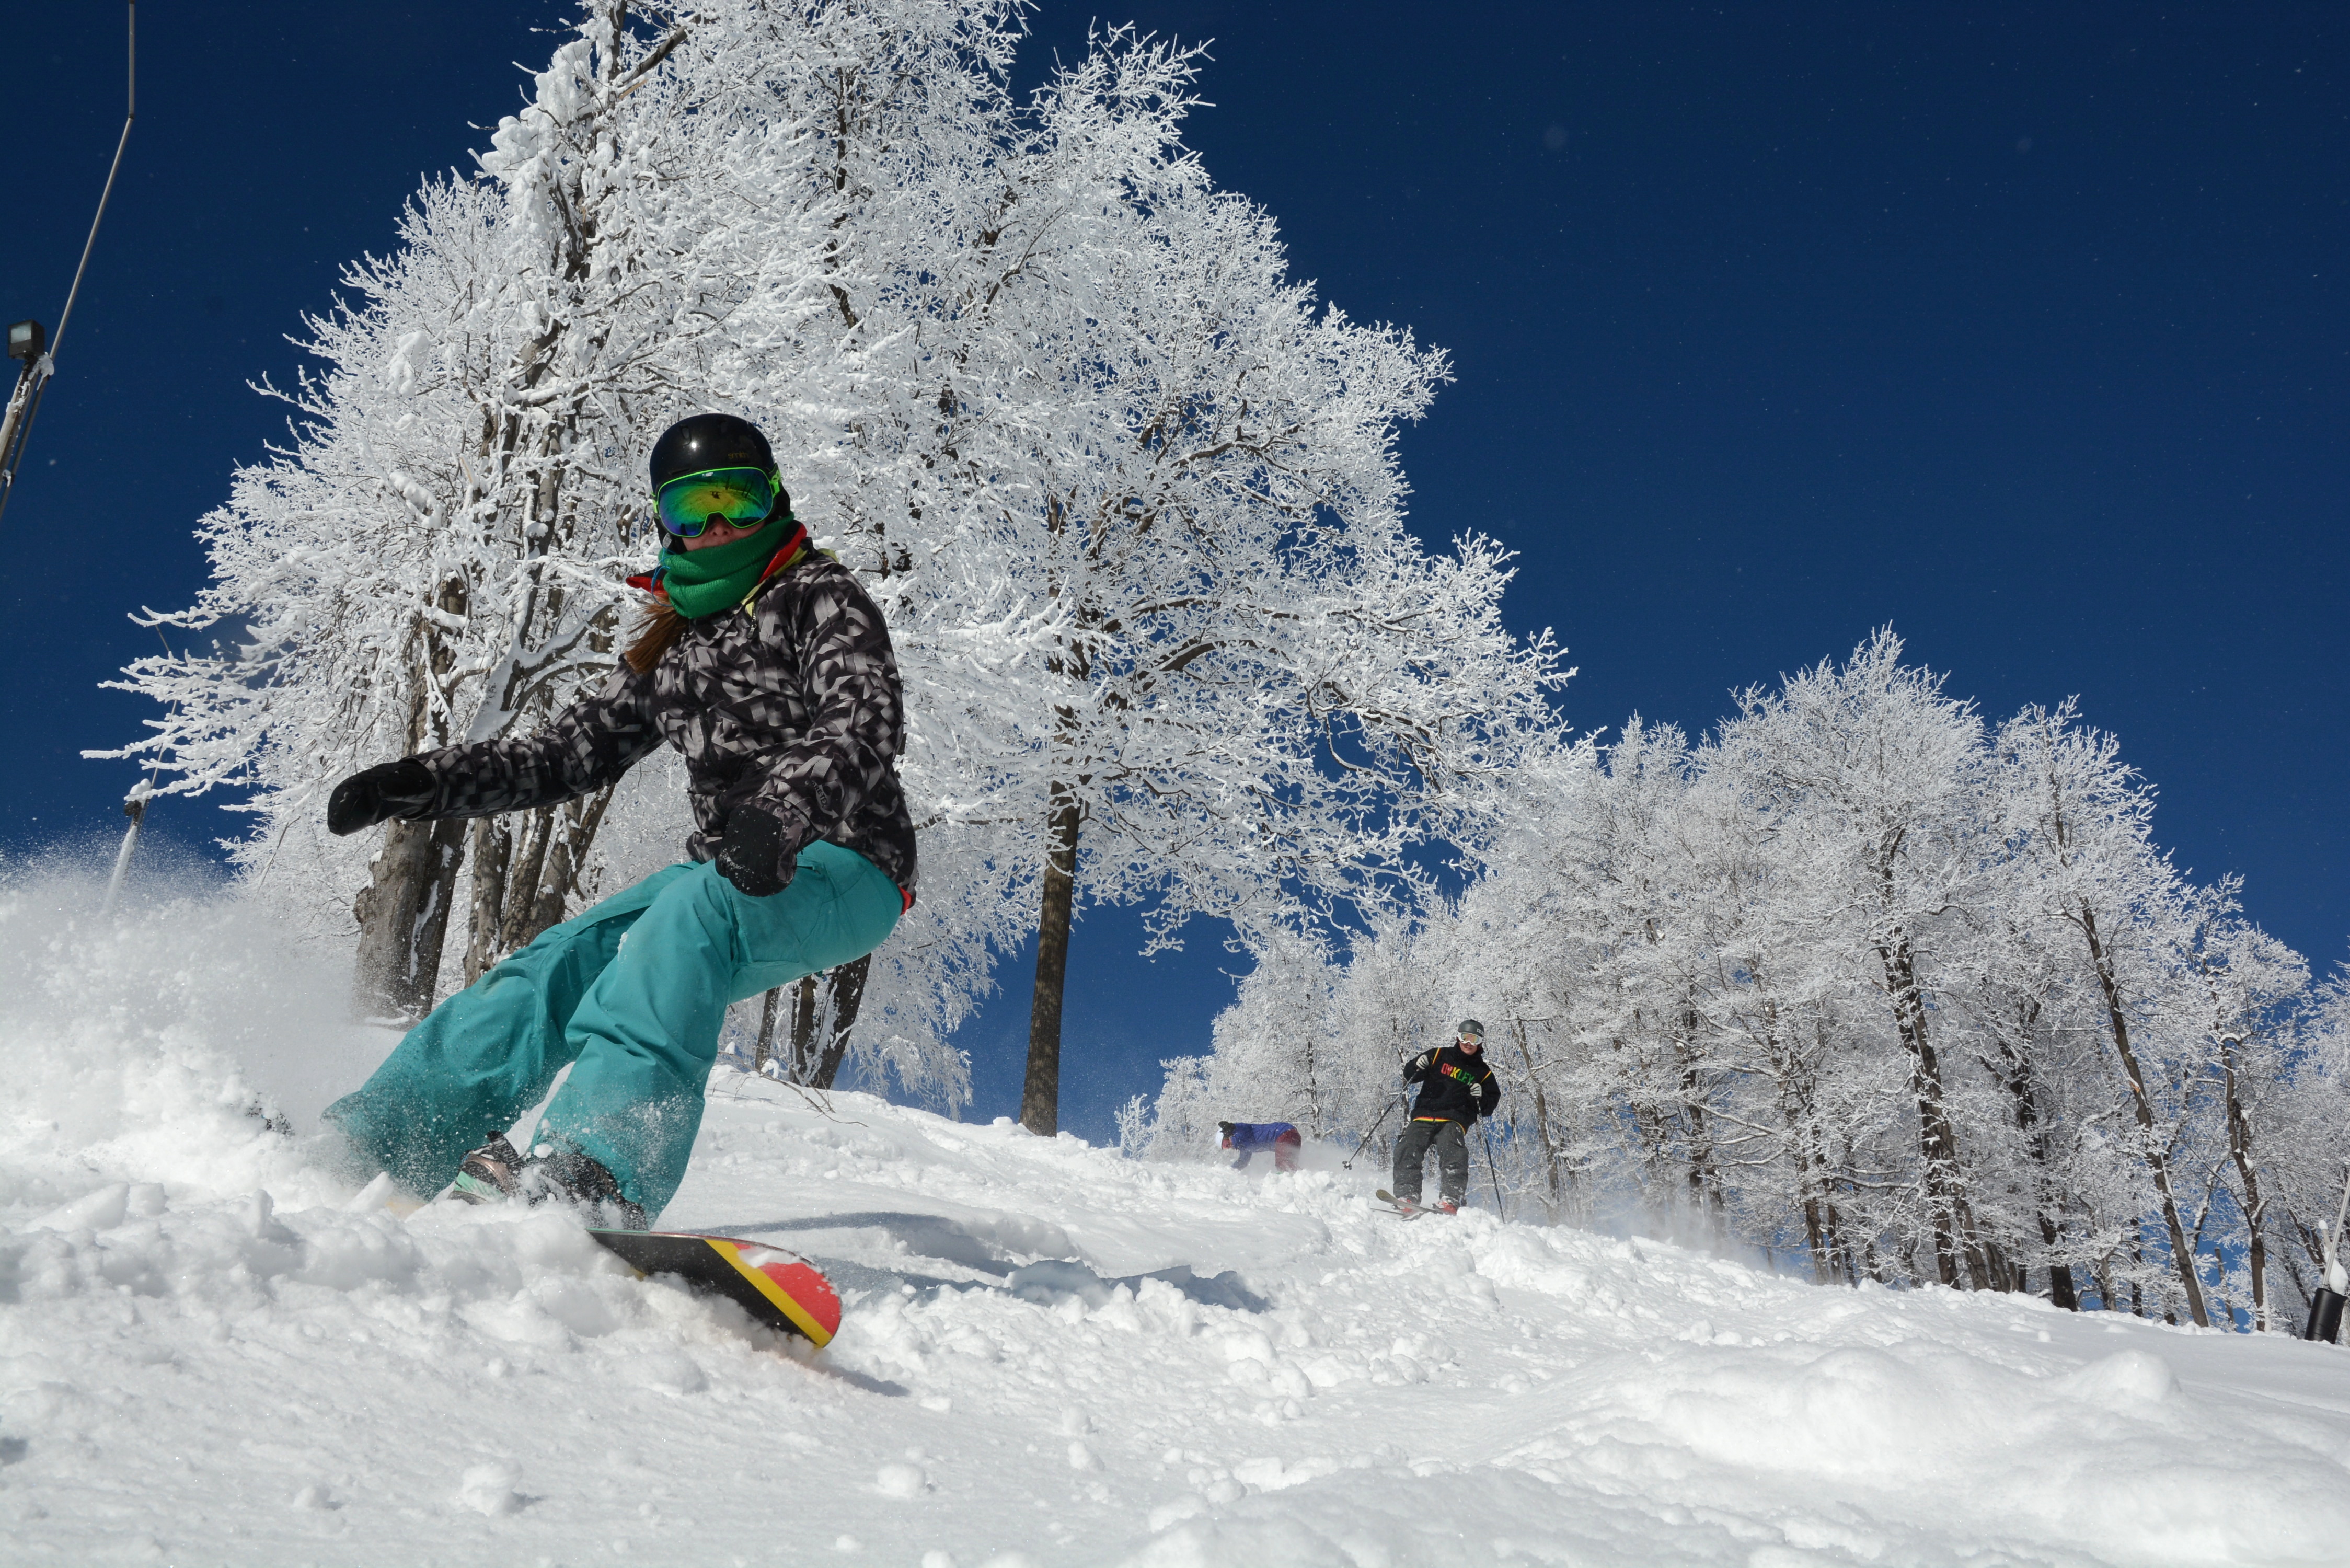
(693, 502)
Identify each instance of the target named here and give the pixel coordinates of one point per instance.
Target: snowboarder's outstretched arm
(585, 747)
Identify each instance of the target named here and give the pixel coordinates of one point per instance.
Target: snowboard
(779, 1289)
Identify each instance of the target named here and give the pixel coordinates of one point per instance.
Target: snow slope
(211, 1353)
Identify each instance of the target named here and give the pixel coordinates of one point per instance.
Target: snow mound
(211, 1352)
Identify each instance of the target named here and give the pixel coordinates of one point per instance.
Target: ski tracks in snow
(1054, 1356)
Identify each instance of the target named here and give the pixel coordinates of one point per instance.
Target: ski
(781, 1290)
(1395, 1208)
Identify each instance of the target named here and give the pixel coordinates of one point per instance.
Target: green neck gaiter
(704, 582)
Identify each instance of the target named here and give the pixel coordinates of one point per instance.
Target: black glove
(393, 789)
(752, 854)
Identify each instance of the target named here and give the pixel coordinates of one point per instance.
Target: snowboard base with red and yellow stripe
(779, 1289)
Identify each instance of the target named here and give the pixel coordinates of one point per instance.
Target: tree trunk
(1704, 1177)
(803, 1060)
(2060, 1275)
(848, 987)
(1542, 1121)
(403, 912)
(448, 845)
(1040, 1094)
(1998, 1274)
(540, 830)
(564, 855)
(1811, 1179)
(766, 1030)
(1313, 1093)
(1938, 1140)
(404, 915)
(2240, 1149)
(2143, 1104)
(2060, 1287)
(492, 848)
(2022, 1092)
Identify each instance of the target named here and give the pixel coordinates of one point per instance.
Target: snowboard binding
(495, 1173)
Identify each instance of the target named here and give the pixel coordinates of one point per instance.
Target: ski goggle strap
(691, 501)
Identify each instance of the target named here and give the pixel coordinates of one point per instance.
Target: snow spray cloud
(183, 1041)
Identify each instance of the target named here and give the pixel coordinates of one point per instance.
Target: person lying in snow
(1250, 1136)
(1456, 1087)
(767, 665)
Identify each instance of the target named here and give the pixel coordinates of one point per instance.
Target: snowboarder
(1282, 1138)
(1456, 1087)
(764, 662)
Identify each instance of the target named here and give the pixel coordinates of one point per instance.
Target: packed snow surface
(211, 1352)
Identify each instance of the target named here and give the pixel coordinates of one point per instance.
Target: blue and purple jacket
(1248, 1137)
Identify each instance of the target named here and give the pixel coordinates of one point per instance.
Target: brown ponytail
(662, 627)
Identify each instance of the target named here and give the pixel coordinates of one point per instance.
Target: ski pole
(1495, 1174)
(1349, 1163)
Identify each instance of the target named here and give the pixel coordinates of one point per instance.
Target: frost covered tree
(1260, 692)
(680, 219)
(436, 556)
(1126, 494)
(1824, 982)
(2082, 824)
(2297, 1093)
(1869, 764)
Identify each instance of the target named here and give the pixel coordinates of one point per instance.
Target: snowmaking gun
(2325, 1301)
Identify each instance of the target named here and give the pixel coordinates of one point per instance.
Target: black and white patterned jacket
(790, 705)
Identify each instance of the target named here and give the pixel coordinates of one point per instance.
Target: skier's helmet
(715, 467)
(1471, 1029)
(709, 441)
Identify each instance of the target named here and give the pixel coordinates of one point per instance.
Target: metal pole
(18, 423)
(18, 420)
(1495, 1174)
(1349, 1163)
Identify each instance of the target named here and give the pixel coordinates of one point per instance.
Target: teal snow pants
(632, 995)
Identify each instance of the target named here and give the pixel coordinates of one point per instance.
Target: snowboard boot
(491, 1174)
(495, 1173)
(569, 1176)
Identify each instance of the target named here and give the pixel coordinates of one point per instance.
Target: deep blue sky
(2025, 333)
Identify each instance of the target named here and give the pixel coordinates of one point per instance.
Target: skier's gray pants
(1451, 1141)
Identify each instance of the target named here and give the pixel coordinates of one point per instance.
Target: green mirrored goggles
(693, 502)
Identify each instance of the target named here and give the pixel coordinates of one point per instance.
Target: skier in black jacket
(1456, 1089)
(766, 664)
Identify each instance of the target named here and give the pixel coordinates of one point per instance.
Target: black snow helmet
(1470, 1026)
(711, 440)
